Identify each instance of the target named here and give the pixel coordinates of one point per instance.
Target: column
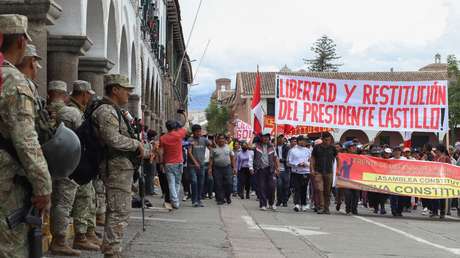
(40, 13)
(133, 105)
(147, 119)
(63, 57)
(92, 70)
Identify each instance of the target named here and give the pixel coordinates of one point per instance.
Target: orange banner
(432, 180)
(269, 122)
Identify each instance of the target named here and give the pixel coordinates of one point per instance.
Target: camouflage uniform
(84, 207)
(100, 197)
(64, 189)
(17, 123)
(117, 171)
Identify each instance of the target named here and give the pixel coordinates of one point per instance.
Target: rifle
(140, 170)
(31, 216)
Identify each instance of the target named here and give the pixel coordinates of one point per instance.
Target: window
(271, 107)
(385, 139)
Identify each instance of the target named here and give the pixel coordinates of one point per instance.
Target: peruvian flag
(256, 107)
(407, 138)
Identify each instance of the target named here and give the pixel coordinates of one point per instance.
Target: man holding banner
(322, 161)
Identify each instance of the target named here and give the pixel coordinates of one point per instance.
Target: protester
(284, 179)
(397, 201)
(236, 150)
(196, 164)
(172, 158)
(298, 160)
(244, 161)
(439, 205)
(221, 165)
(266, 168)
(322, 162)
(351, 195)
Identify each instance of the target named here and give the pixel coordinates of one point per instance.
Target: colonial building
(245, 82)
(85, 39)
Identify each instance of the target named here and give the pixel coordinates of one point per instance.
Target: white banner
(243, 131)
(367, 105)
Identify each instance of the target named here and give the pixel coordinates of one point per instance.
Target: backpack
(92, 150)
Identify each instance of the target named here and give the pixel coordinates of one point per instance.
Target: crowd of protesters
(274, 170)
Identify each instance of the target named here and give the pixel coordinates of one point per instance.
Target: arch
(418, 139)
(95, 28)
(389, 137)
(146, 87)
(133, 77)
(352, 134)
(124, 68)
(112, 39)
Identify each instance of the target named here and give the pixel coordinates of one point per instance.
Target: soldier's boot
(81, 242)
(92, 237)
(100, 219)
(60, 247)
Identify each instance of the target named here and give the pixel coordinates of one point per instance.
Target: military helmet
(62, 152)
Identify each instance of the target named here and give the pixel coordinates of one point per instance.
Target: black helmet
(62, 152)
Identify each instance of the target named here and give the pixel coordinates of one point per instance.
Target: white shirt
(298, 155)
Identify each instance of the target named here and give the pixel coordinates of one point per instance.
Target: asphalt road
(242, 230)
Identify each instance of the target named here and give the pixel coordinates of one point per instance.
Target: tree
(454, 93)
(217, 118)
(325, 51)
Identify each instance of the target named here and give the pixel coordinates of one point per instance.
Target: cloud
(370, 35)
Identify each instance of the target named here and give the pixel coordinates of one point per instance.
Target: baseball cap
(31, 51)
(57, 85)
(14, 24)
(83, 86)
(387, 150)
(117, 79)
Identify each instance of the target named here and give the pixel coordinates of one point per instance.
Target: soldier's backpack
(92, 150)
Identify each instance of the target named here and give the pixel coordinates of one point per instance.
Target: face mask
(244, 148)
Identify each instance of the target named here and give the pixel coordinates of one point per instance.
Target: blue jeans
(174, 176)
(197, 178)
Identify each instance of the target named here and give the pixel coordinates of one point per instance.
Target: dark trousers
(223, 183)
(438, 205)
(244, 182)
(300, 188)
(397, 204)
(148, 177)
(351, 200)
(282, 187)
(323, 187)
(208, 188)
(339, 196)
(197, 180)
(266, 186)
(377, 200)
(164, 186)
(186, 181)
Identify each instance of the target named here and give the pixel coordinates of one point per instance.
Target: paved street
(241, 230)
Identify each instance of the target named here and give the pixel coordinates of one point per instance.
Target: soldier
(21, 156)
(84, 207)
(117, 170)
(64, 189)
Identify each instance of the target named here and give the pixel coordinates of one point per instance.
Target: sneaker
(229, 201)
(184, 198)
(304, 208)
(220, 203)
(195, 205)
(273, 207)
(297, 208)
(168, 206)
(425, 211)
(263, 208)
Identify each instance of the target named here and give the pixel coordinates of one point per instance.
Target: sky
(371, 35)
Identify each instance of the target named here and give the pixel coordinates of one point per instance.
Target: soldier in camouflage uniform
(64, 189)
(84, 207)
(17, 130)
(100, 201)
(117, 171)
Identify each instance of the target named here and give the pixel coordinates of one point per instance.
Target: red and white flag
(407, 138)
(256, 107)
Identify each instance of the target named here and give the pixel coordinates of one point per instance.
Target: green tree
(454, 94)
(325, 56)
(217, 118)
